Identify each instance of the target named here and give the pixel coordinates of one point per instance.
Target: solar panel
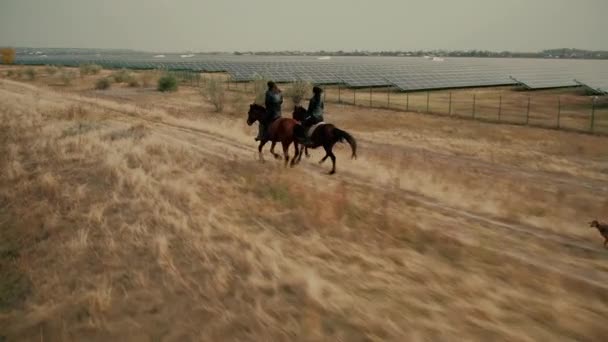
(405, 73)
(597, 83)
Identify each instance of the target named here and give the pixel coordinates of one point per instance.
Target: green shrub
(133, 82)
(67, 76)
(216, 94)
(298, 91)
(122, 76)
(147, 78)
(103, 83)
(89, 69)
(30, 73)
(260, 85)
(167, 83)
(51, 70)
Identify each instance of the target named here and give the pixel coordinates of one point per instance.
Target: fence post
(428, 94)
(528, 111)
(407, 102)
(499, 107)
(450, 105)
(354, 96)
(474, 95)
(370, 97)
(339, 99)
(324, 94)
(592, 114)
(559, 110)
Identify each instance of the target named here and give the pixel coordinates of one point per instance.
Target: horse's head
(594, 224)
(256, 112)
(299, 113)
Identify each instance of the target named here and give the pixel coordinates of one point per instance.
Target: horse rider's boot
(261, 130)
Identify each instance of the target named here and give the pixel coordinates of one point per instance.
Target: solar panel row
(407, 74)
(597, 82)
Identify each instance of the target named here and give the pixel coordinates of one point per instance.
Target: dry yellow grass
(134, 215)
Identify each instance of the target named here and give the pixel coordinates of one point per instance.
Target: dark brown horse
(326, 135)
(280, 130)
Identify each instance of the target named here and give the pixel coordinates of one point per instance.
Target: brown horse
(326, 135)
(280, 130)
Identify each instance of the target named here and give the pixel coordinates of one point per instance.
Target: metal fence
(563, 110)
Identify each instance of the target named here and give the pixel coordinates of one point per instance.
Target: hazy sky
(228, 25)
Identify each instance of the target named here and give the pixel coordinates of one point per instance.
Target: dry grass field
(132, 215)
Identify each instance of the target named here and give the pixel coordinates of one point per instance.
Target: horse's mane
(257, 106)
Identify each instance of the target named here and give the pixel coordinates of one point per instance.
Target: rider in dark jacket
(315, 111)
(273, 102)
(315, 108)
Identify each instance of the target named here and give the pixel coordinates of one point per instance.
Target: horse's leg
(262, 143)
(330, 154)
(276, 155)
(307, 154)
(301, 151)
(286, 151)
(298, 153)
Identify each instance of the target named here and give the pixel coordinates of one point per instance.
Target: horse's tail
(343, 135)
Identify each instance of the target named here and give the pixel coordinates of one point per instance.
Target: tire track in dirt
(537, 177)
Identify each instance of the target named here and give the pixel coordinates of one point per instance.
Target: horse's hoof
(332, 172)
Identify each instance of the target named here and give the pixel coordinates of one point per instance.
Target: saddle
(312, 129)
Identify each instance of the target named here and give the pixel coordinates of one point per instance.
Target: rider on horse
(314, 112)
(273, 102)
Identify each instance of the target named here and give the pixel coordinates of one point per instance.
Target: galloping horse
(280, 130)
(326, 135)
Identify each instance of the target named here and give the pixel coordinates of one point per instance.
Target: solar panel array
(597, 82)
(405, 73)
